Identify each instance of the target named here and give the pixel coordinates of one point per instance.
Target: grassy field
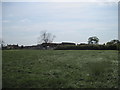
(60, 69)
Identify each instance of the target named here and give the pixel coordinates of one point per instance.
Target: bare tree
(45, 37)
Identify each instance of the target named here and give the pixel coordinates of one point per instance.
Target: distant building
(12, 46)
(67, 43)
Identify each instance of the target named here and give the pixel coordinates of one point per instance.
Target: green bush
(88, 47)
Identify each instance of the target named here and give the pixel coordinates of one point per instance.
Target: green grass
(60, 69)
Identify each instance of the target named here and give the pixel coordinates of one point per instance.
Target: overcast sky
(68, 21)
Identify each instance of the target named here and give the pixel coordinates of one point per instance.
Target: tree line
(93, 43)
(45, 41)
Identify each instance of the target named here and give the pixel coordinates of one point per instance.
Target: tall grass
(60, 69)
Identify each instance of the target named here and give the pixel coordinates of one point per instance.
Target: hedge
(88, 47)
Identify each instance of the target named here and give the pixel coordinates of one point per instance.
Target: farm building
(67, 43)
(12, 46)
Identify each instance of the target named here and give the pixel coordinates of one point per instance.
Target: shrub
(88, 47)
